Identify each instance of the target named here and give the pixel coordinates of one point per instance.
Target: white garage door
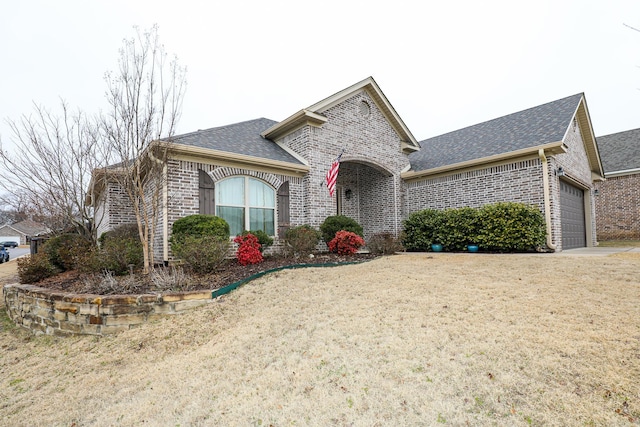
(10, 239)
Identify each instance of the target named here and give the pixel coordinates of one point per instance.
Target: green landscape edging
(226, 289)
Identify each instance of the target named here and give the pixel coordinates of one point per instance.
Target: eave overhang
(551, 148)
(240, 160)
(588, 136)
(292, 123)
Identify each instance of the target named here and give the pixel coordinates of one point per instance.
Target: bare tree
(49, 168)
(145, 100)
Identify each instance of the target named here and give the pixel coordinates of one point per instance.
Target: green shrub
(501, 227)
(333, 224)
(384, 243)
(33, 268)
(204, 254)
(200, 225)
(459, 228)
(68, 251)
(301, 240)
(263, 238)
(120, 248)
(511, 227)
(421, 229)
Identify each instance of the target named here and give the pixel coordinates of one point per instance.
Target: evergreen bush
(120, 250)
(68, 251)
(499, 227)
(33, 268)
(333, 224)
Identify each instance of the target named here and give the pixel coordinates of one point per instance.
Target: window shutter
(206, 194)
(283, 209)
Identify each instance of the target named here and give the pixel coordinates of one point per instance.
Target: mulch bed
(231, 272)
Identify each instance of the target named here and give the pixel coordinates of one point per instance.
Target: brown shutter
(206, 193)
(283, 209)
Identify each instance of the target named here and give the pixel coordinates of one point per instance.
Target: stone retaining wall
(46, 311)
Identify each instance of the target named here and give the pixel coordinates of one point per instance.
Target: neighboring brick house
(269, 175)
(618, 199)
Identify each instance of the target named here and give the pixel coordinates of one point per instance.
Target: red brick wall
(618, 208)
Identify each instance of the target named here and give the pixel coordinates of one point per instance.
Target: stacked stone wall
(45, 311)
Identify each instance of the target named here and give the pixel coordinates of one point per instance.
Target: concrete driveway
(597, 251)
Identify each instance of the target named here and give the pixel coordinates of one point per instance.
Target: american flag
(332, 175)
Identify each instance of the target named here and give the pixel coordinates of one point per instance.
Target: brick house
(269, 175)
(618, 199)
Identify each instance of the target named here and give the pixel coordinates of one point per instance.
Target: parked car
(4, 255)
(9, 244)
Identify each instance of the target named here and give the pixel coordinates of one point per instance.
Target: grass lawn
(441, 339)
(619, 243)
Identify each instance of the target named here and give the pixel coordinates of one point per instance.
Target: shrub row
(500, 227)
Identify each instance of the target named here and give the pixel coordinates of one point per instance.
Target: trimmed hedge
(333, 224)
(500, 227)
(200, 225)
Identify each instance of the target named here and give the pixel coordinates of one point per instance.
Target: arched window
(246, 204)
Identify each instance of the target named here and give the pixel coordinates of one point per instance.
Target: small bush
(33, 268)
(301, 240)
(200, 225)
(333, 224)
(248, 249)
(120, 248)
(263, 238)
(384, 243)
(204, 254)
(68, 251)
(346, 243)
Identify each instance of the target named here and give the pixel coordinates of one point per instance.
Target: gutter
(547, 198)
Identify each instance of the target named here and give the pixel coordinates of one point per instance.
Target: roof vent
(365, 110)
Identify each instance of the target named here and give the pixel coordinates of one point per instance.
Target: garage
(572, 216)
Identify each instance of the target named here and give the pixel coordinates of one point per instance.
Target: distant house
(618, 200)
(268, 175)
(22, 232)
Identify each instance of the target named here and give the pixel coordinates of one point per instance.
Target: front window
(246, 204)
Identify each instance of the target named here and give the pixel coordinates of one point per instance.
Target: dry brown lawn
(468, 339)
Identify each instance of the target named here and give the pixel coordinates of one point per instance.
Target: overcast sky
(443, 65)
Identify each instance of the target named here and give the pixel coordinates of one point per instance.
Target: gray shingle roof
(529, 128)
(620, 151)
(238, 138)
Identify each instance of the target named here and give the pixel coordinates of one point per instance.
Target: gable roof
(30, 228)
(312, 115)
(620, 152)
(514, 135)
(534, 127)
(239, 138)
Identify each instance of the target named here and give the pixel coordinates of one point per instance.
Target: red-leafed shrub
(346, 243)
(248, 249)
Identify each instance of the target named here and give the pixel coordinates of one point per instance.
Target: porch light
(347, 194)
(560, 171)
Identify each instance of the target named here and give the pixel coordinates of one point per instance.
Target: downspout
(165, 214)
(395, 205)
(547, 197)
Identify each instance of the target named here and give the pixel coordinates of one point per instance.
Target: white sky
(443, 65)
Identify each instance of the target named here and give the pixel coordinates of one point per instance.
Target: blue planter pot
(436, 247)
(472, 248)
